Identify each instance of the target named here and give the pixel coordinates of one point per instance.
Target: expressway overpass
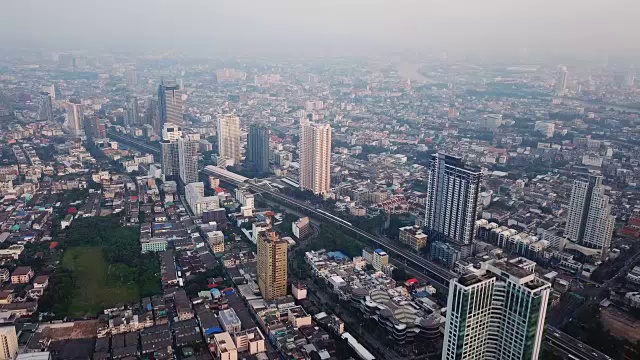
(436, 274)
(431, 270)
(133, 142)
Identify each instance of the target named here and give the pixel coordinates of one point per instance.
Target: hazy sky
(218, 26)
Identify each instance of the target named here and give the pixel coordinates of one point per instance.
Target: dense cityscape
(157, 205)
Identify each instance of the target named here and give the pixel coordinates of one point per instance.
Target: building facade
(229, 138)
(73, 120)
(45, 107)
(315, 157)
(452, 201)
(258, 149)
(8, 343)
(170, 105)
(589, 220)
(496, 313)
(272, 265)
(188, 160)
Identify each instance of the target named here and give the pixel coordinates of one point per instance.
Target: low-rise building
(22, 275)
(223, 347)
(413, 237)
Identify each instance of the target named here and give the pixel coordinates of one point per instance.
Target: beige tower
(272, 265)
(315, 157)
(8, 343)
(229, 137)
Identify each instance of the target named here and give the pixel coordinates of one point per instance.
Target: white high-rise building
(315, 157)
(453, 199)
(497, 312)
(188, 160)
(589, 222)
(73, 121)
(562, 80)
(229, 138)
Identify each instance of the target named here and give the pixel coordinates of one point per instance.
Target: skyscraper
(258, 149)
(170, 104)
(496, 313)
(169, 150)
(132, 77)
(188, 160)
(229, 138)
(589, 222)
(315, 157)
(170, 158)
(152, 117)
(272, 265)
(562, 80)
(95, 128)
(452, 200)
(132, 111)
(73, 120)
(8, 343)
(45, 108)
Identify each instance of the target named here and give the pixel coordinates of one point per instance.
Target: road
(133, 142)
(569, 345)
(422, 266)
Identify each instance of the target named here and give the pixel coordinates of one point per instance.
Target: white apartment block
(315, 157)
(229, 138)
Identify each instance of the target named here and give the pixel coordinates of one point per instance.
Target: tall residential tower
(452, 201)
(272, 265)
(496, 313)
(229, 138)
(315, 157)
(589, 222)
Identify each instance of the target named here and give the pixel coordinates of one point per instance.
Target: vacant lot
(620, 324)
(93, 291)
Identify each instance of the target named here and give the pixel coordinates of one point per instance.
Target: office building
(170, 105)
(258, 149)
(562, 80)
(315, 157)
(194, 194)
(188, 160)
(229, 138)
(8, 343)
(589, 220)
(497, 312)
(272, 265)
(73, 121)
(132, 111)
(152, 116)
(452, 201)
(45, 108)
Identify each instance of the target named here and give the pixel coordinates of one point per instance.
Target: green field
(97, 284)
